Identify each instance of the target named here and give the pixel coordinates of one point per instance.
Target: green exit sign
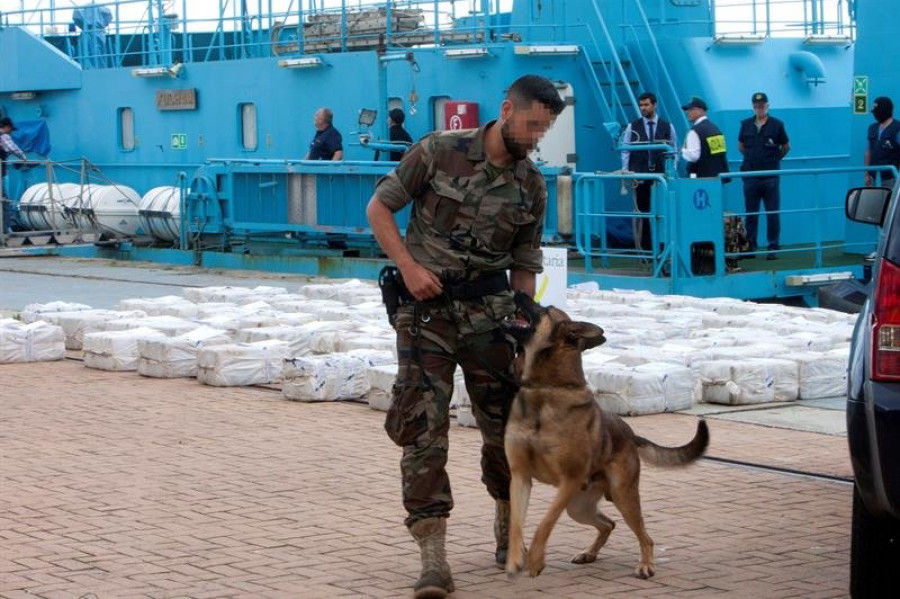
(179, 141)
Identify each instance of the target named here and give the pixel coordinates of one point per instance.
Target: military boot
(501, 531)
(435, 581)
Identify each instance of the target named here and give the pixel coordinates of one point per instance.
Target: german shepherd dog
(557, 434)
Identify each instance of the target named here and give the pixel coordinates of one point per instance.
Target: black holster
(393, 292)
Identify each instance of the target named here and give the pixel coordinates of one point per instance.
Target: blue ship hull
(226, 117)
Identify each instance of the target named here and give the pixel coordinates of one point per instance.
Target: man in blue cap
(764, 142)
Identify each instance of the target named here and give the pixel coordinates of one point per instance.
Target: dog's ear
(584, 334)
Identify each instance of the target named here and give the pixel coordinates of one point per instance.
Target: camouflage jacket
(463, 224)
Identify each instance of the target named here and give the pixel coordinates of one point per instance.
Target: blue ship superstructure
(220, 109)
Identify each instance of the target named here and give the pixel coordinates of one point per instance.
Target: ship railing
(652, 67)
(818, 20)
(153, 33)
(818, 231)
(59, 217)
(816, 215)
(596, 207)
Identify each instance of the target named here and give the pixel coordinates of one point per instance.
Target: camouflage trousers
(431, 341)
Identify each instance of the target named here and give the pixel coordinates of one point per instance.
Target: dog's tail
(658, 455)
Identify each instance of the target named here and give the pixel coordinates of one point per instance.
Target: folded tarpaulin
(32, 136)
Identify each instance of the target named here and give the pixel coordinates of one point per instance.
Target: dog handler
(478, 210)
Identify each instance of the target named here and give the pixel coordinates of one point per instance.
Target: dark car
(873, 405)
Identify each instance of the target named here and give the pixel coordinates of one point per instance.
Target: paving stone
(122, 486)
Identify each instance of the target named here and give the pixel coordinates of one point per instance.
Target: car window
(892, 229)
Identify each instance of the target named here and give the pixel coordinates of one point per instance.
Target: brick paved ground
(121, 486)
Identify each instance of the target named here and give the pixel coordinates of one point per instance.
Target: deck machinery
(219, 104)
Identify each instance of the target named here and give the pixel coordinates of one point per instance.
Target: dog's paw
(513, 570)
(535, 565)
(644, 571)
(514, 566)
(584, 558)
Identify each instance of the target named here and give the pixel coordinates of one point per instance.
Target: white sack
(381, 385)
(235, 365)
(175, 357)
(33, 312)
(116, 350)
(328, 378)
(646, 389)
(751, 381)
(33, 342)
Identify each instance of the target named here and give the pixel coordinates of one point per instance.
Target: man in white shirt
(704, 146)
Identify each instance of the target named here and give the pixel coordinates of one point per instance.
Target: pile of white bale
(331, 341)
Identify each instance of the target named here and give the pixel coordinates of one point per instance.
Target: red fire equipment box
(460, 115)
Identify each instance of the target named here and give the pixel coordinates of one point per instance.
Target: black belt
(487, 284)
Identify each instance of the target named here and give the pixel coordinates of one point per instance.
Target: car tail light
(886, 324)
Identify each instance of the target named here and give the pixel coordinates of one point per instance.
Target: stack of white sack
(232, 295)
(256, 314)
(33, 342)
(77, 324)
(267, 294)
(295, 303)
(738, 353)
(210, 309)
(355, 292)
(167, 305)
(381, 386)
(318, 307)
(335, 377)
(364, 312)
(372, 336)
(337, 291)
(224, 294)
(667, 353)
(649, 388)
(33, 312)
(232, 318)
(317, 337)
(116, 350)
(822, 340)
(823, 374)
(236, 365)
(750, 381)
(171, 326)
(175, 357)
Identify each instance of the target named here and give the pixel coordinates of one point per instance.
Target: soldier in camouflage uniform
(478, 210)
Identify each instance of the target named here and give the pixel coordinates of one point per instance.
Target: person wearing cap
(649, 128)
(7, 148)
(763, 142)
(883, 141)
(704, 145)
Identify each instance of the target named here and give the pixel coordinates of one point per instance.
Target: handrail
(228, 34)
(618, 61)
(777, 17)
(235, 35)
(661, 64)
(584, 197)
